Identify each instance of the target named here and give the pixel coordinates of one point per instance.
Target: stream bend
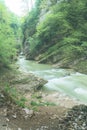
(66, 81)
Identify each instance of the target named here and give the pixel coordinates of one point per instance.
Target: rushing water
(71, 83)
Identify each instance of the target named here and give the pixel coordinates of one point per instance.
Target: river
(66, 81)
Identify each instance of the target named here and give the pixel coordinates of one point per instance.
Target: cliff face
(59, 33)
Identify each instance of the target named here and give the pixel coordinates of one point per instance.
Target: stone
(27, 113)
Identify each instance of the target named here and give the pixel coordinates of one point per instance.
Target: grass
(14, 96)
(37, 100)
(41, 103)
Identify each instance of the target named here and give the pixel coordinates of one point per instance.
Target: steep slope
(60, 34)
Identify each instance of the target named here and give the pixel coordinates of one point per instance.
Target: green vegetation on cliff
(8, 35)
(57, 33)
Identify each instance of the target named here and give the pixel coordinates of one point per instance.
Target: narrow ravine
(66, 81)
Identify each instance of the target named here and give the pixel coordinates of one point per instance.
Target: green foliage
(53, 27)
(8, 35)
(14, 96)
(21, 102)
(37, 101)
(34, 103)
(62, 31)
(30, 22)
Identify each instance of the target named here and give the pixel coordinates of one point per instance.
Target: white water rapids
(70, 83)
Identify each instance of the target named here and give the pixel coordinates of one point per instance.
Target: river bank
(31, 87)
(44, 109)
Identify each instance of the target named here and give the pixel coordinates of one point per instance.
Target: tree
(63, 26)
(7, 36)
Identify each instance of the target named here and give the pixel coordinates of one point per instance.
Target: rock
(28, 82)
(5, 111)
(7, 120)
(54, 117)
(2, 100)
(19, 129)
(27, 113)
(75, 119)
(14, 116)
